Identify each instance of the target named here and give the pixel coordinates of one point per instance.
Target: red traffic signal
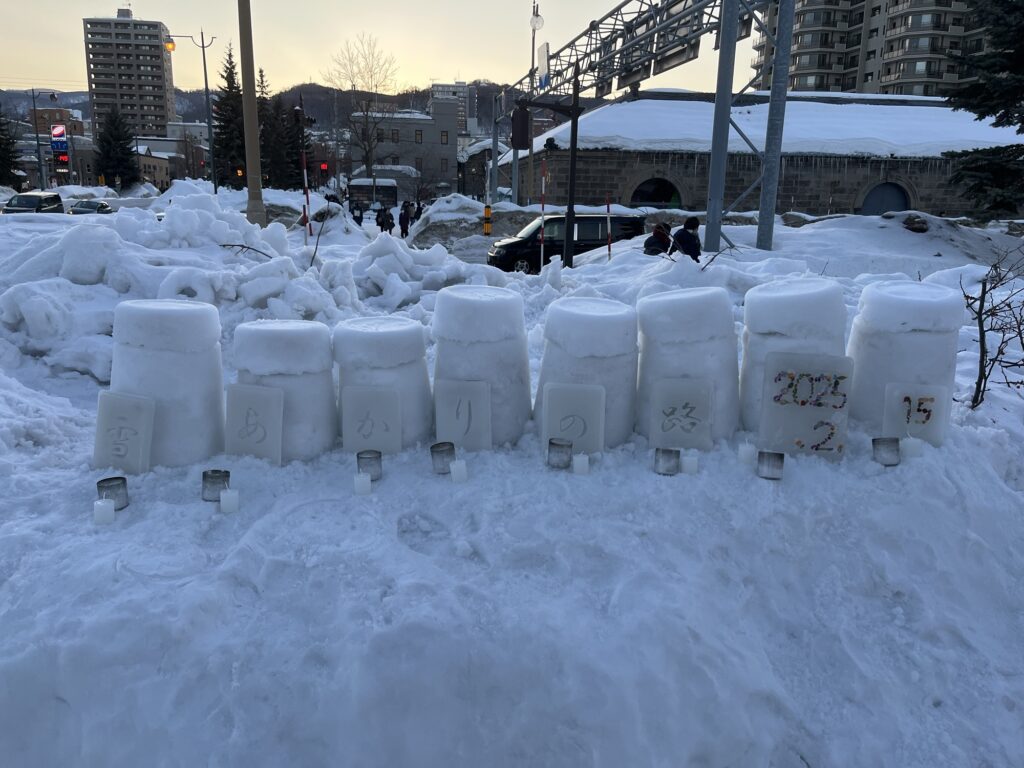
(323, 166)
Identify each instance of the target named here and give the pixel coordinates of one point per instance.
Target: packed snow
(847, 615)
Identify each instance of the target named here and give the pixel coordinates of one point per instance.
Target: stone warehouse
(841, 154)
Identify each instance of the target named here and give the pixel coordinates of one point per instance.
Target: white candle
(581, 464)
(691, 464)
(103, 511)
(363, 483)
(748, 454)
(228, 501)
(459, 472)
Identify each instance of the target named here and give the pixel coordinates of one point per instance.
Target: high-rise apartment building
(461, 92)
(128, 67)
(876, 46)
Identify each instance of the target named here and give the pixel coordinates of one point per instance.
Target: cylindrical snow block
(805, 315)
(904, 332)
(295, 357)
(690, 334)
(481, 336)
(593, 341)
(169, 351)
(388, 352)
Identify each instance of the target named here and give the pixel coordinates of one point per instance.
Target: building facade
(462, 93)
(44, 118)
(901, 47)
(129, 68)
(425, 143)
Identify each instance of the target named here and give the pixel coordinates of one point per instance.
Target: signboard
(255, 421)
(124, 432)
(58, 138)
(805, 406)
(681, 414)
(916, 410)
(371, 419)
(543, 72)
(462, 413)
(574, 412)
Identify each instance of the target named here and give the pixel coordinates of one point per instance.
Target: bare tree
(998, 313)
(367, 71)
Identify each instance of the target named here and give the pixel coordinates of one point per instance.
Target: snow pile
(392, 274)
(847, 615)
(78, 192)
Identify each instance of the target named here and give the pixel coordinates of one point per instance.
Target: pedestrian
(403, 219)
(357, 214)
(389, 221)
(686, 239)
(379, 219)
(419, 211)
(659, 242)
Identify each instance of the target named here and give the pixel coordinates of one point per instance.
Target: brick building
(841, 153)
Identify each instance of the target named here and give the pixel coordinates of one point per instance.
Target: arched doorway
(656, 193)
(884, 198)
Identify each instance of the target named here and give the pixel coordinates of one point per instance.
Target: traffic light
(520, 128)
(323, 167)
(238, 172)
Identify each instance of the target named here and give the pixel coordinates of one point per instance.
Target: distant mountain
(18, 102)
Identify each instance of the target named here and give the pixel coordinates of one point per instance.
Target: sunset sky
(439, 40)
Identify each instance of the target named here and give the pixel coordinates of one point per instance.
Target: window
(872, 33)
(876, 11)
(419, 136)
(444, 137)
(444, 164)
(419, 163)
(869, 77)
(869, 55)
(394, 135)
(380, 135)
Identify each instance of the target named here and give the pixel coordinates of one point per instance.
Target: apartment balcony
(814, 24)
(930, 76)
(802, 5)
(913, 53)
(906, 6)
(895, 33)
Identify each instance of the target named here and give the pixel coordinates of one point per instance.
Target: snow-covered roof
(909, 127)
(398, 114)
(408, 170)
(369, 183)
(482, 146)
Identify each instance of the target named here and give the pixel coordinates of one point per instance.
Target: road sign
(543, 73)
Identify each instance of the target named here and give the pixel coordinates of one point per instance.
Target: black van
(522, 252)
(34, 202)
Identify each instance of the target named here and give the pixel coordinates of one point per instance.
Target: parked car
(90, 206)
(34, 202)
(522, 252)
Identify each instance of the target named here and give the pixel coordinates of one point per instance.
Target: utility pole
(727, 31)
(35, 132)
(570, 208)
(254, 209)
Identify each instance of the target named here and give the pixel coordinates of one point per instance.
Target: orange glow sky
(432, 40)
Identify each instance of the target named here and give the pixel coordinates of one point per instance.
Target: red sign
(58, 133)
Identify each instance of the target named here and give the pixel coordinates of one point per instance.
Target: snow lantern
(389, 352)
(593, 341)
(295, 357)
(169, 351)
(905, 332)
(689, 334)
(481, 336)
(805, 315)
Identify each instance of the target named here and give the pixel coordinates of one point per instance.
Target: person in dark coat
(659, 242)
(357, 214)
(419, 211)
(379, 219)
(389, 221)
(686, 239)
(403, 220)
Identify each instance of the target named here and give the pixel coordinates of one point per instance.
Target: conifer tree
(274, 145)
(228, 125)
(115, 148)
(8, 154)
(995, 176)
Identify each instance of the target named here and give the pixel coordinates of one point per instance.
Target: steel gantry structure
(641, 38)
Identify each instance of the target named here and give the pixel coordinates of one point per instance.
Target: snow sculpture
(804, 315)
(905, 332)
(169, 351)
(593, 341)
(388, 353)
(689, 334)
(481, 336)
(295, 357)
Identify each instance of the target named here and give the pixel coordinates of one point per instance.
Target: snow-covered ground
(848, 616)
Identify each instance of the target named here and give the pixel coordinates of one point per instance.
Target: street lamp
(536, 24)
(35, 130)
(169, 46)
